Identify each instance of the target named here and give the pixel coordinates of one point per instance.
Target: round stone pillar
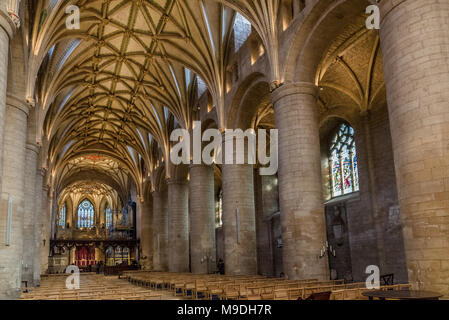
(39, 213)
(239, 220)
(239, 213)
(300, 190)
(12, 204)
(202, 219)
(54, 214)
(415, 41)
(267, 204)
(47, 200)
(160, 231)
(30, 216)
(7, 29)
(146, 234)
(178, 226)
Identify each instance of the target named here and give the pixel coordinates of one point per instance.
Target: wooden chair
(188, 289)
(338, 295)
(281, 294)
(200, 291)
(214, 291)
(294, 294)
(360, 294)
(267, 292)
(231, 292)
(351, 294)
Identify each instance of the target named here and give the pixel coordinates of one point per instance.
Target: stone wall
(363, 226)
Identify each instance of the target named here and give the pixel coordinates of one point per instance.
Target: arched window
(108, 213)
(86, 214)
(62, 215)
(343, 162)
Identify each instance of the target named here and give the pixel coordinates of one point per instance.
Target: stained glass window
(108, 213)
(86, 215)
(343, 162)
(62, 215)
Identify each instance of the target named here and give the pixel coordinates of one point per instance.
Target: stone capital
(296, 88)
(202, 165)
(32, 147)
(16, 102)
(172, 181)
(42, 171)
(237, 137)
(7, 24)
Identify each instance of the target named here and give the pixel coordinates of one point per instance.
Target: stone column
(53, 215)
(415, 41)
(239, 216)
(47, 200)
(178, 226)
(373, 190)
(202, 219)
(146, 234)
(239, 224)
(13, 190)
(7, 29)
(266, 200)
(39, 213)
(300, 191)
(30, 216)
(160, 234)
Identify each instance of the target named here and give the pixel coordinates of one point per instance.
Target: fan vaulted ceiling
(119, 84)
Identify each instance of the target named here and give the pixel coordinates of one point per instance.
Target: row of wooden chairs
(189, 286)
(209, 287)
(92, 287)
(356, 293)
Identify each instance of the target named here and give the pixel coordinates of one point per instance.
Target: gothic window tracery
(343, 162)
(108, 213)
(62, 216)
(86, 215)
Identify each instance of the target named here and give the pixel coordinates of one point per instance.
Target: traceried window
(62, 216)
(219, 211)
(86, 215)
(108, 213)
(343, 162)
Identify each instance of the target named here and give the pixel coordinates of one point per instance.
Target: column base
(10, 295)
